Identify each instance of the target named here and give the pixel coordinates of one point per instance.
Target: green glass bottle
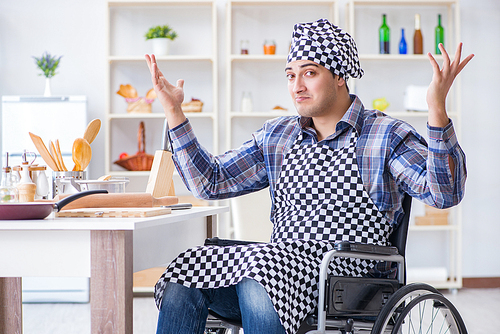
(439, 32)
(384, 36)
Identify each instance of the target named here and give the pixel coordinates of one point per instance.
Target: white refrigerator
(59, 117)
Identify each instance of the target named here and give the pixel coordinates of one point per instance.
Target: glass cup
(269, 47)
(244, 47)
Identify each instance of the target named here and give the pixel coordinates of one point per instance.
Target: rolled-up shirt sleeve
(423, 169)
(234, 173)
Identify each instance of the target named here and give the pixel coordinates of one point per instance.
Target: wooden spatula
(59, 156)
(92, 130)
(42, 149)
(53, 153)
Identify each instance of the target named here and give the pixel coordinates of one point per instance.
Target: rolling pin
(119, 200)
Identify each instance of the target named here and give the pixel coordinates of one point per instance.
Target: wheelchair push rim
(430, 313)
(419, 308)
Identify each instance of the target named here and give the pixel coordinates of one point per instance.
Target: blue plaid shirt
(392, 158)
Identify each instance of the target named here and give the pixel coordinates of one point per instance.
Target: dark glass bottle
(418, 40)
(403, 47)
(384, 36)
(439, 32)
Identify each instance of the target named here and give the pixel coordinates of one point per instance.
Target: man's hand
(170, 96)
(442, 80)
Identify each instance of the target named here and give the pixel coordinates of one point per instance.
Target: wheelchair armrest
(346, 246)
(215, 241)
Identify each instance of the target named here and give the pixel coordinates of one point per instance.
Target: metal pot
(113, 185)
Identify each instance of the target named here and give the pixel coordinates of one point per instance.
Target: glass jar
(244, 47)
(269, 47)
(8, 190)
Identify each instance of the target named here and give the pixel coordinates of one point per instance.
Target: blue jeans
(185, 310)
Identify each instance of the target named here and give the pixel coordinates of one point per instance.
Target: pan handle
(65, 201)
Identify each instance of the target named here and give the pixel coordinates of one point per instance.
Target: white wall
(76, 30)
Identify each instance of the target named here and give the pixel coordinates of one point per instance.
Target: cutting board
(114, 212)
(122, 200)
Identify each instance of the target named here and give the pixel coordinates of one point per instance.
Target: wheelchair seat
(371, 305)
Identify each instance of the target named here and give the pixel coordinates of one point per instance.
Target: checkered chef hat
(326, 45)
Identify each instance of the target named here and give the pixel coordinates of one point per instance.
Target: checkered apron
(319, 200)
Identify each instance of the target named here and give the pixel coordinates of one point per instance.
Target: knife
(160, 179)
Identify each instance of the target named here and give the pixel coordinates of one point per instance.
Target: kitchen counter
(108, 250)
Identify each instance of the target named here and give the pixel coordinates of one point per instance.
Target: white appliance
(62, 117)
(59, 117)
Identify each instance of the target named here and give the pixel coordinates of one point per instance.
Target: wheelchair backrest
(399, 235)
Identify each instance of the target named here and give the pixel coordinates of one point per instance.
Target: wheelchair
(352, 305)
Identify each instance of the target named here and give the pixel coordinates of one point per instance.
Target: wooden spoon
(82, 153)
(59, 156)
(92, 130)
(104, 178)
(42, 149)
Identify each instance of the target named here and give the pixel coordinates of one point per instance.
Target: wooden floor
(478, 307)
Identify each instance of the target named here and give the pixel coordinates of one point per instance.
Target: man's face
(312, 88)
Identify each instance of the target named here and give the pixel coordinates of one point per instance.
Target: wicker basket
(193, 106)
(140, 161)
(139, 105)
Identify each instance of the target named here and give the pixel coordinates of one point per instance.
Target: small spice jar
(269, 47)
(244, 47)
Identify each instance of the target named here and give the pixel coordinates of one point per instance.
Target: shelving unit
(193, 57)
(399, 71)
(273, 19)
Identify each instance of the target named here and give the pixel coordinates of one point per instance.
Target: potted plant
(48, 64)
(161, 37)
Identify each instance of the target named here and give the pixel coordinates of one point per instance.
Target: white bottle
(42, 184)
(246, 102)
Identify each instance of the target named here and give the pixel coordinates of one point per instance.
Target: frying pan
(39, 210)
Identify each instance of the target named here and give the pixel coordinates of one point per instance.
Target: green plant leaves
(48, 64)
(161, 32)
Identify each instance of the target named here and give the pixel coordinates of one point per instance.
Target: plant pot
(161, 46)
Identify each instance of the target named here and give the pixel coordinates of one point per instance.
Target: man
(335, 172)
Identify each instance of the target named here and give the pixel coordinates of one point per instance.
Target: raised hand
(170, 96)
(442, 80)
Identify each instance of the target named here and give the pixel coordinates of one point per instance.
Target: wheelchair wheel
(430, 313)
(396, 303)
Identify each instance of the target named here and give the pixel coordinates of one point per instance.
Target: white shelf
(257, 57)
(129, 3)
(122, 60)
(279, 2)
(407, 65)
(264, 114)
(433, 228)
(112, 59)
(247, 72)
(405, 2)
(157, 115)
(397, 57)
(414, 114)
